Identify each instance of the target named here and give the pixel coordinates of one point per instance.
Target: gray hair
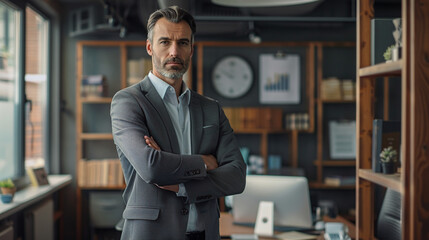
(173, 14)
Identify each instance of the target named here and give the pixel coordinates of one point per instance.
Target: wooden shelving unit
(412, 69)
(321, 162)
(82, 136)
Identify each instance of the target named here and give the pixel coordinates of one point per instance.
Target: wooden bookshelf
(387, 180)
(382, 69)
(122, 47)
(96, 136)
(320, 163)
(96, 100)
(412, 181)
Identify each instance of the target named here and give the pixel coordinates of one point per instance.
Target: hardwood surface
(227, 227)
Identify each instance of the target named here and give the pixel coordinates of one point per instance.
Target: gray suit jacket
(153, 213)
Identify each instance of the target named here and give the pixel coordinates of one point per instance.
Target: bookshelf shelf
(382, 69)
(387, 180)
(96, 136)
(336, 163)
(96, 100)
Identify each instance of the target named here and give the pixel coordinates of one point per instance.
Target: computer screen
(289, 194)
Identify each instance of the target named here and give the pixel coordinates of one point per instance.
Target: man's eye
(163, 42)
(184, 43)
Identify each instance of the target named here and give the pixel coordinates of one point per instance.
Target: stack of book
(93, 86)
(297, 121)
(336, 89)
(340, 180)
(137, 69)
(100, 172)
(331, 89)
(348, 89)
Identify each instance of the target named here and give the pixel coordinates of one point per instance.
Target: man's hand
(210, 162)
(173, 188)
(151, 143)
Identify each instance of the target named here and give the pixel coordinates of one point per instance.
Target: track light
(253, 36)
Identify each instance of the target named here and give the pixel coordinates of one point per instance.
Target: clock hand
(228, 74)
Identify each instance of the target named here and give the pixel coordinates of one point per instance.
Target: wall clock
(232, 77)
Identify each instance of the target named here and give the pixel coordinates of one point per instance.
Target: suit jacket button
(184, 211)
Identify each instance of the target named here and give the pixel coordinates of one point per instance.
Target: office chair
(389, 219)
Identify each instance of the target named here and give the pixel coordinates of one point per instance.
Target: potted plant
(7, 187)
(389, 160)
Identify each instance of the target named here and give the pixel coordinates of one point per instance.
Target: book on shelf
(297, 121)
(93, 86)
(384, 134)
(340, 180)
(100, 172)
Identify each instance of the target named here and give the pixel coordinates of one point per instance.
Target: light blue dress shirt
(178, 109)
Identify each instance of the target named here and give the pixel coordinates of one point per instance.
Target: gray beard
(174, 75)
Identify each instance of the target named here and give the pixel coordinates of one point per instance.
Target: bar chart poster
(279, 81)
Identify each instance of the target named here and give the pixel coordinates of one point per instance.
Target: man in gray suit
(176, 147)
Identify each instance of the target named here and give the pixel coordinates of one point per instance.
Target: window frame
(53, 104)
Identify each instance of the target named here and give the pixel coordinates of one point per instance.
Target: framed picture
(38, 176)
(342, 139)
(279, 81)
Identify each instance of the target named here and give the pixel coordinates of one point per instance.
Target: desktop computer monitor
(290, 195)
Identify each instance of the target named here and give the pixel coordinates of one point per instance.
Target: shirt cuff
(182, 191)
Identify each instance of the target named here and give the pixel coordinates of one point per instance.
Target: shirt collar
(162, 88)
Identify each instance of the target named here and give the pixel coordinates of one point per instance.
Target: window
(24, 93)
(36, 88)
(10, 101)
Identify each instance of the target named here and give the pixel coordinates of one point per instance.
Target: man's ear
(149, 47)
(192, 49)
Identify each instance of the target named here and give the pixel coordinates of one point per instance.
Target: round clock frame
(232, 77)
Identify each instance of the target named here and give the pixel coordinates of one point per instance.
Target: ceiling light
(259, 3)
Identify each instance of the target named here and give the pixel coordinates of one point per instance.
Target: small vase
(389, 168)
(11, 191)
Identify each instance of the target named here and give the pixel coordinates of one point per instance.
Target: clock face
(232, 77)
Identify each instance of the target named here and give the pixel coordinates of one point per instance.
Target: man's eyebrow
(163, 38)
(181, 40)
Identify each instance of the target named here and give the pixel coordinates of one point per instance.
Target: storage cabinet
(414, 73)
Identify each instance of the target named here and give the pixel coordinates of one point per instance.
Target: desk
(227, 227)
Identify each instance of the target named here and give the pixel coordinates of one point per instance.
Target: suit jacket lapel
(154, 98)
(196, 115)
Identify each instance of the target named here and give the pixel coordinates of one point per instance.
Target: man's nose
(174, 49)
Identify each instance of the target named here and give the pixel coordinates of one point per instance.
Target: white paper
(279, 81)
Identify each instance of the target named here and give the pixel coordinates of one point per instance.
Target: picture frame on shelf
(342, 139)
(280, 79)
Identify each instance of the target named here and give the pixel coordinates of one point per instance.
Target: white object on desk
(264, 225)
(244, 237)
